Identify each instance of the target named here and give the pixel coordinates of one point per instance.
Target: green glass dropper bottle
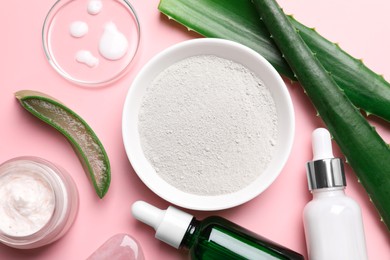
(211, 238)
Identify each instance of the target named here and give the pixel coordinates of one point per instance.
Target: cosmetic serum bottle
(211, 238)
(332, 221)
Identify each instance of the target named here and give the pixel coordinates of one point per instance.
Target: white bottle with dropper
(332, 221)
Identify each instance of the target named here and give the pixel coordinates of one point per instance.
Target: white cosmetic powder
(208, 125)
(26, 202)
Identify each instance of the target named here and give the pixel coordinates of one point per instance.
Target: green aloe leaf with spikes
(237, 20)
(367, 153)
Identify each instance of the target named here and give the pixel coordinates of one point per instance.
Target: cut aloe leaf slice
(84, 141)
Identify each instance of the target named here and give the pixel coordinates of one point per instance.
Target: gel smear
(94, 7)
(87, 58)
(113, 44)
(78, 29)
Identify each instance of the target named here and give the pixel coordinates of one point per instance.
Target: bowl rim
(214, 202)
(50, 58)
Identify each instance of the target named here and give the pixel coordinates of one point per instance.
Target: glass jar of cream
(38, 202)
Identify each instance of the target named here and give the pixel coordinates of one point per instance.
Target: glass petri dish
(61, 47)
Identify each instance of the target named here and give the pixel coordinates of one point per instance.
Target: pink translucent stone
(119, 247)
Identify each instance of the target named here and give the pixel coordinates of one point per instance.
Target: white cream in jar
(27, 201)
(38, 202)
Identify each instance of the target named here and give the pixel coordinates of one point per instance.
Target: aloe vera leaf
(365, 88)
(83, 139)
(367, 153)
(238, 21)
(232, 20)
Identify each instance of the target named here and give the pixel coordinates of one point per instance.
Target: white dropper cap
(324, 171)
(170, 224)
(322, 144)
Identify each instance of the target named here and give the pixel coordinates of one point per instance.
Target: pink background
(361, 28)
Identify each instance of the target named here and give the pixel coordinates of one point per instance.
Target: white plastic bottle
(332, 221)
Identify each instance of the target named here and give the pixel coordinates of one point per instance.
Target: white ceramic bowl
(231, 51)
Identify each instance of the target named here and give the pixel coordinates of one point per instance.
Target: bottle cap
(170, 224)
(324, 171)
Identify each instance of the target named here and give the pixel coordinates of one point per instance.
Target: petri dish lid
(61, 47)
